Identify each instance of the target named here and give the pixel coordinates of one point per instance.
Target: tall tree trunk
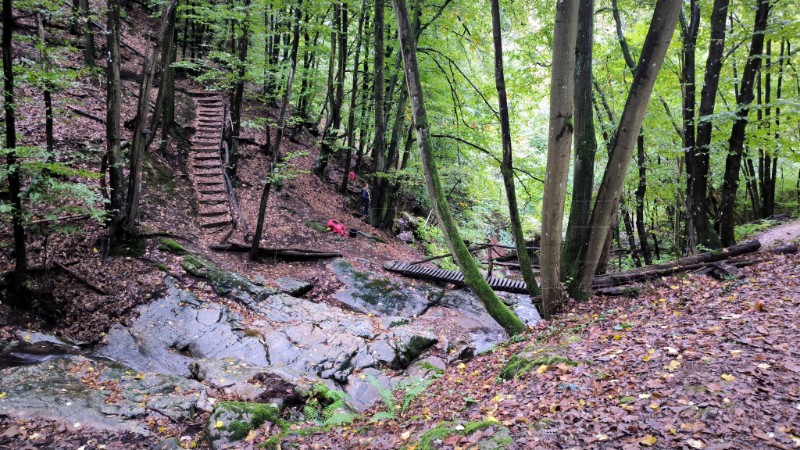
(472, 276)
(628, 223)
(48, 101)
(88, 35)
(143, 127)
(351, 113)
(688, 86)
(585, 149)
(329, 132)
(382, 199)
(507, 166)
(167, 88)
(559, 141)
(654, 50)
(113, 118)
(700, 165)
(238, 90)
(20, 276)
(379, 139)
(276, 149)
(641, 190)
(736, 142)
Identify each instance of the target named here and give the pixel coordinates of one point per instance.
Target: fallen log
(680, 265)
(86, 114)
(722, 270)
(289, 254)
(783, 250)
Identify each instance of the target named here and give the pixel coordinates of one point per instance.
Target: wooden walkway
(452, 276)
(205, 162)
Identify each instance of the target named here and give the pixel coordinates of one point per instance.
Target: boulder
(370, 293)
(173, 331)
(293, 287)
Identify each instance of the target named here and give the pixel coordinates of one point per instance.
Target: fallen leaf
(648, 440)
(219, 424)
(727, 377)
(694, 443)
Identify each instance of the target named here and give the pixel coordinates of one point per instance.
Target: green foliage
(327, 406)
(749, 230)
(410, 389)
(433, 244)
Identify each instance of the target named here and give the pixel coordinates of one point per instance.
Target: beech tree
(736, 142)
(662, 26)
(472, 276)
(19, 280)
(559, 142)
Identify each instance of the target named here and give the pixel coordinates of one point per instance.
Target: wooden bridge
(452, 276)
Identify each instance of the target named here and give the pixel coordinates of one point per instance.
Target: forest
(399, 224)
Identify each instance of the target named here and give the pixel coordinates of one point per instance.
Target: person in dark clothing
(365, 199)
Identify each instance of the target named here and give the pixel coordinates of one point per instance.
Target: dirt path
(782, 233)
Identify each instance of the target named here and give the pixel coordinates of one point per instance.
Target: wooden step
(205, 149)
(213, 211)
(211, 180)
(211, 199)
(214, 189)
(204, 156)
(214, 223)
(205, 173)
(207, 164)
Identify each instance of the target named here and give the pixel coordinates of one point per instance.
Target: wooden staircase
(205, 163)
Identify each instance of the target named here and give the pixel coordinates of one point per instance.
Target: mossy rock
(524, 361)
(169, 245)
(233, 421)
(222, 281)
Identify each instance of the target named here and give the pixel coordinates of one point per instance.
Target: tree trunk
(276, 149)
(143, 128)
(641, 190)
(165, 88)
(472, 276)
(653, 52)
(700, 166)
(88, 35)
(507, 166)
(327, 135)
(736, 142)
(238, 91)
(559, 141)
(688, 86)
(379, 139)
(18, 285)
(113, 118)
(48, 101)
(585, 150)
(351, 113)
(168, 88)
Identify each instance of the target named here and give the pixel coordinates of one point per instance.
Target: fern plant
(411, 390)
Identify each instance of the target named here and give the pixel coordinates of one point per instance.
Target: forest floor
(693, 363)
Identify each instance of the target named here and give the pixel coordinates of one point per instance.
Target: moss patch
(246, 417)
(316, 226)
(222, 281)
(500, 440)
(524, 361)
(169, 245)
